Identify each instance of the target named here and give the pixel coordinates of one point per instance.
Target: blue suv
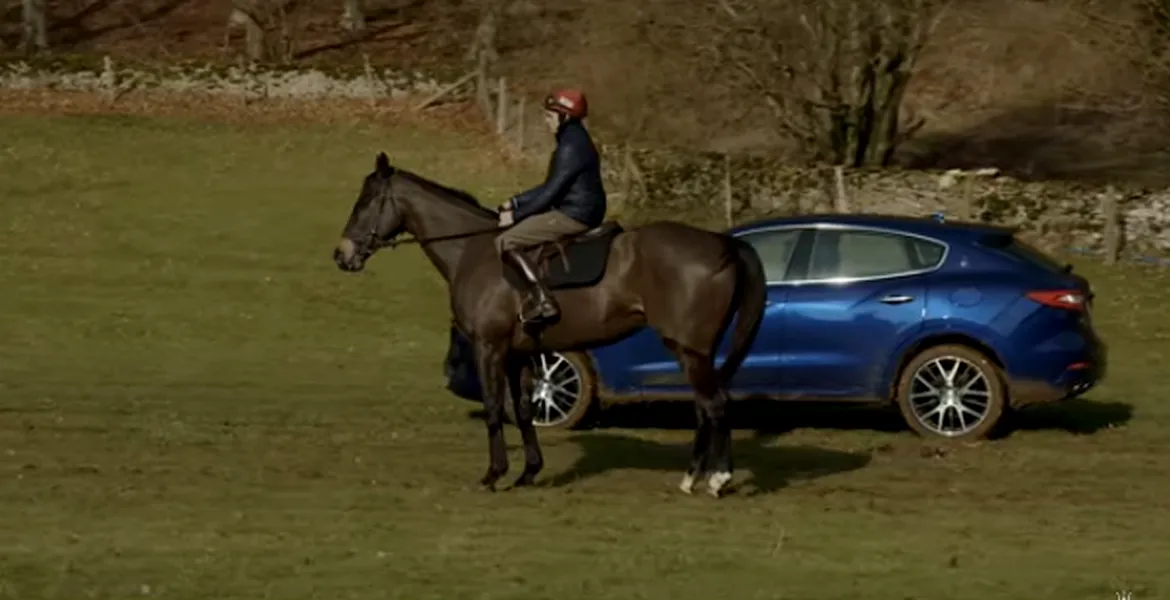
(954, 323)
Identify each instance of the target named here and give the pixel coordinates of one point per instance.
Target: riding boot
(539, 303)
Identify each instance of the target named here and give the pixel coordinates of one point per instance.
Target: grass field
(197, 404)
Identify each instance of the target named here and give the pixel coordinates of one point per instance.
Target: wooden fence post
(636, 193)
(371, 78)
(109, 79)
(481, 86)
(1112, 234)
(968, 202)
(520, 115)
(727, 199)
(502, 108)
(841, 200)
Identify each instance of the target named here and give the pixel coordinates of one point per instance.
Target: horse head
(376, 219)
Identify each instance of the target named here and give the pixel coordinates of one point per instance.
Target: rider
(570, 201)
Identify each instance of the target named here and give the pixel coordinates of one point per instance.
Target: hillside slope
(1041, 89)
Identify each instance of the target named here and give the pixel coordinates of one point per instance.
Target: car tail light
(1073, 300)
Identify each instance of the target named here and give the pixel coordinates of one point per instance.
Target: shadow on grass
(771, 468)
(762, 416)
(1079, 416)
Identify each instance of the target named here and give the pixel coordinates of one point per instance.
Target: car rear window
(1023, 251)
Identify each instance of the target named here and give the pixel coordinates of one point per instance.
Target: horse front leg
(490, 362)
(522, 408)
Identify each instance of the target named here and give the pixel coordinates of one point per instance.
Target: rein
(437, 238)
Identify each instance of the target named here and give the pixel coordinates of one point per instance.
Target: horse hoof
(489, 481)
(717, 483)
(524, 480)
(687, 485)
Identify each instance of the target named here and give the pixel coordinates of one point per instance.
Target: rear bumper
(1078, 378)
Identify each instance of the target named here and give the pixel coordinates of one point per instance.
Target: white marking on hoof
(688, 483)
(717, 481)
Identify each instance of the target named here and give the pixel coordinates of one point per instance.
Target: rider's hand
(506, 218)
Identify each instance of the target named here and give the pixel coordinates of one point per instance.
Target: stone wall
(667, 183)
(102, 75)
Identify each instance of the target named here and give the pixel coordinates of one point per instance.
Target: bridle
(394, 242)
(376, 242)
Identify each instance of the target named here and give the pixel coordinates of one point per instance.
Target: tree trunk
(36, 30)
(255, 40)
(255, 37)
(354, 17)
(286, 28)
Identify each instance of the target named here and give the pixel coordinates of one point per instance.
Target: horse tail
(751, 295)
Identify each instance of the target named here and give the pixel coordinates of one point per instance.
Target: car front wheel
(951, 392)
(562, 390)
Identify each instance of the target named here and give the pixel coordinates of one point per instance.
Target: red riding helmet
(569, 102)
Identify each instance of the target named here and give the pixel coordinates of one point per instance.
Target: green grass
(196, 403)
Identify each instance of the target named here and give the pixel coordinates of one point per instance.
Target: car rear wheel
(951, 392)
(562, 389)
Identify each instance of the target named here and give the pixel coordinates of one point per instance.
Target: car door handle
(896, 299)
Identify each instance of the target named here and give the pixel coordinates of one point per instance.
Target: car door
(844, 320)
(762, 369)
(650, 366)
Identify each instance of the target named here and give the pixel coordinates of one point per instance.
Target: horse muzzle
(349, 257)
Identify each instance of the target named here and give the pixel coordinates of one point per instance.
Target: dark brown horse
(686, 283)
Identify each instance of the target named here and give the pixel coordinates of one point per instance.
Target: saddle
(569, 262)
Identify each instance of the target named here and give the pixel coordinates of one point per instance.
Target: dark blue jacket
(573, 184)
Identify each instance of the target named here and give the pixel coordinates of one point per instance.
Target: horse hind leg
(699, 451)
(712, 431)
(720, 442)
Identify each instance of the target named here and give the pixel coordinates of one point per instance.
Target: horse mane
(449, 192)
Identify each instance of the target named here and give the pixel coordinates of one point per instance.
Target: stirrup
(534, 310)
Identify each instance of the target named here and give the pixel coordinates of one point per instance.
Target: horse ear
(382, 164)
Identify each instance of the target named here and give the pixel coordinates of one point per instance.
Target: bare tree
(832, 72)
(267, 28)
(354, 16)
(36, 28)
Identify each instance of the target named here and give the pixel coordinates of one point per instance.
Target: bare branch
(833, 72)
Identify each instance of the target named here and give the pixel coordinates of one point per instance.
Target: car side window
(859, 254)
(775, 248)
